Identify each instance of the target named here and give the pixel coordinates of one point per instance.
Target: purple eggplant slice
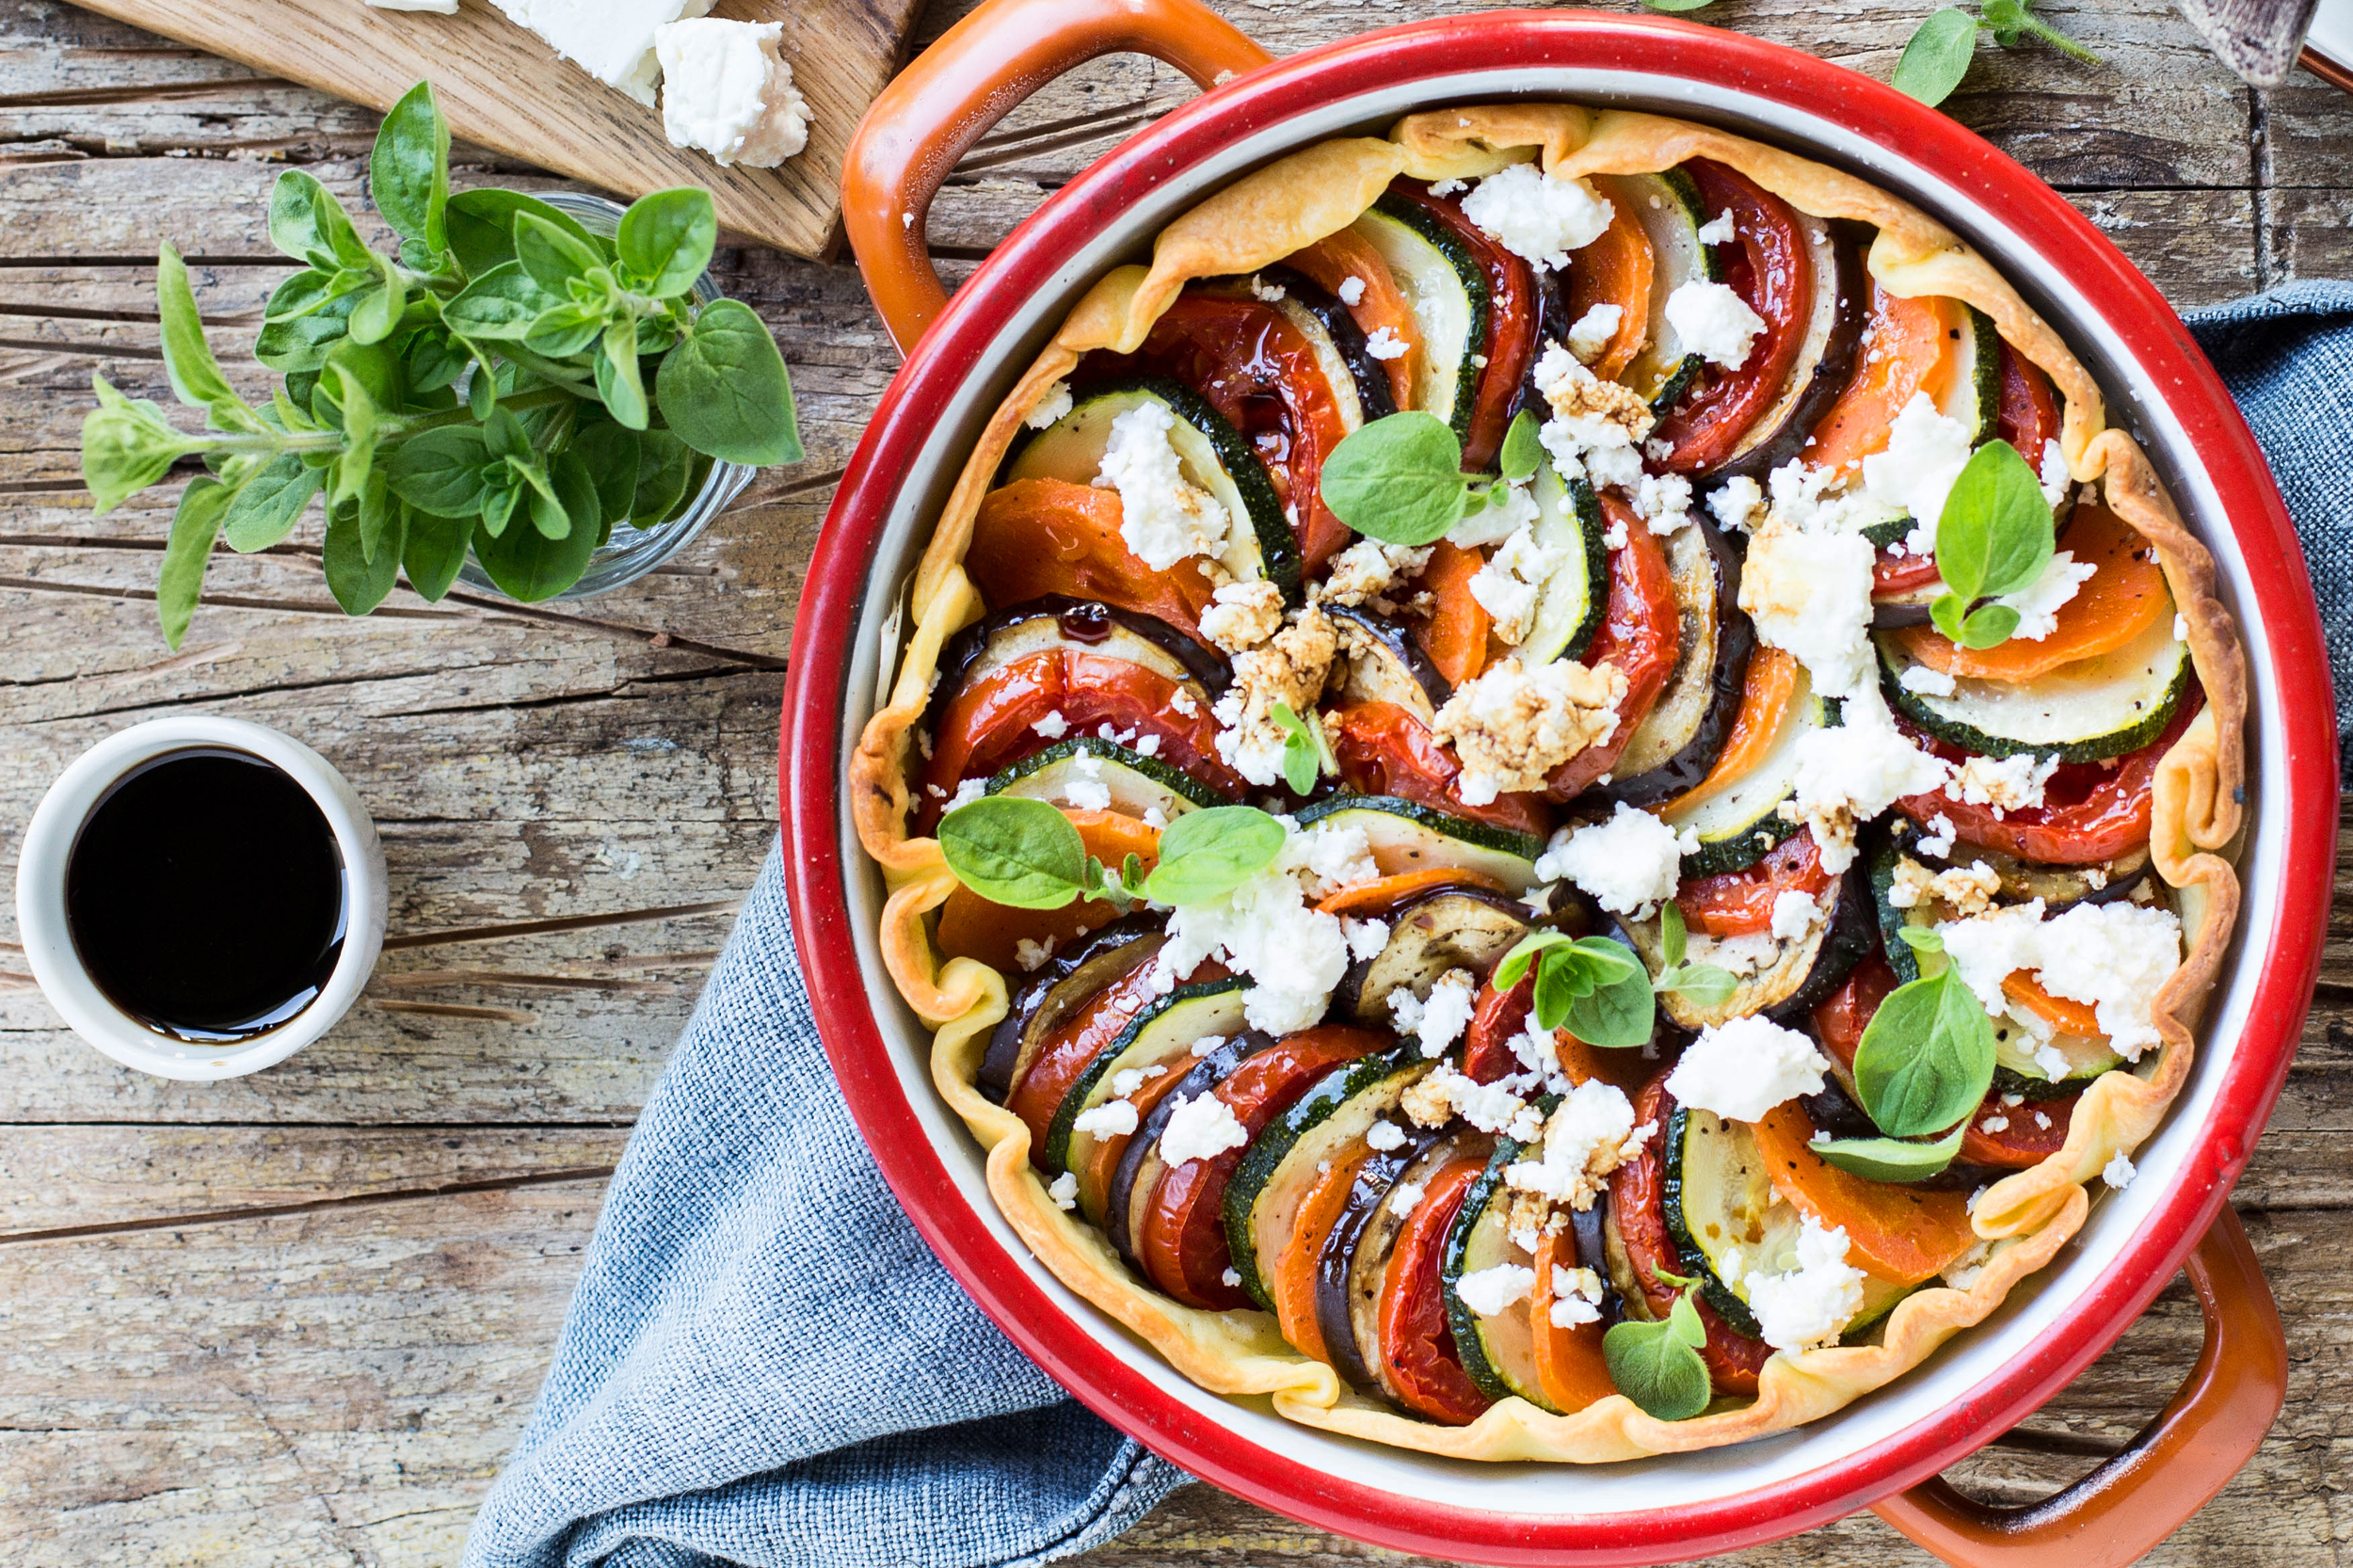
(1451, 928)
(1384, 662)
(1062, 984)
(1678, 741)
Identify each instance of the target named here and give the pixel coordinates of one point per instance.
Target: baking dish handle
(978, 72)
(2118, 1513)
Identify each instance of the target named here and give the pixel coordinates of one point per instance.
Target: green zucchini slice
(1162, 1036)
(1211, 453)
(1448, 290)
(1407, 836)
(1974, 395)
(2085, 711)
(1671, 213)
(1739, 819)
(1263, 1195)
(1568, 613)
(1136, 783)
(1498, 1351)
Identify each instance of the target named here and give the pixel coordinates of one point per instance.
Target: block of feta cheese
(725, 89)
(611, 39)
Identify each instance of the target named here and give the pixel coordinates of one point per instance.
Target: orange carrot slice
(1772, 680)
(1295, 1266)
(1898, 1233)
(1570, 1371)
(971, 927)
(2072, 1017)
(1455, 635)
(1616, 269)
(1910, 350)
(2117, 603)
(1330, 262)
(1387, 892)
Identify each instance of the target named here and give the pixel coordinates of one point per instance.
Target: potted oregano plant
(509, 383)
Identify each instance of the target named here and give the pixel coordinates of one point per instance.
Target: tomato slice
(1376, 898)
(1418, 1347)
(1642, 632)
(1182, 1240)
(1260, 371)
(2120, 601)
(1294, 1278)
(1768, 267)
(1335, 258)
(992, 724)
(972, 927)
(1455, 634)
(2029, 415)
(1840, 1018)
(1383, 749)
(1905, 1234)
(1740, 903)
(1063, 1055)
(1511, 325)
(2090, 812)
(1039, 536)
(1616, 269)
(1637, 1202)
(1910, 352)
(1571, 1371)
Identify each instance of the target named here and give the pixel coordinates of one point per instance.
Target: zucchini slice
(1739, 819)
(1263, 1195)
(1974, 395)
(1448, 290)
(1500, 1351)
(1364, 373)
(1058, 989)
(1568, 613)
(1162, 1036)
(1451, 928)
(1407, 836)
(1383, 661)
(2018, 1069)
(2085, 711)
(1136, 783)
(1826, 359)
(1671, 213)
(1782, 977)
(1676, 745)
(1211, 453)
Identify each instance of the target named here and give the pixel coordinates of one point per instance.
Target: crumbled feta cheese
(1064, 1192)
(1995, 1124)
(1969, 889)
(1664, 502)
(1405, 1196)
(1050, 407)
(1270, 294)
(1808, 593)
(1329, 857)
(1164, 518)
(1290, 667)
(1446, 1093)
(1736, 503)
(1112, 1118)
(2181, 628)
(2038, 603)
(1127, 1082)
(1264, 928)
(1053, 727)
(1242, 616)
(1925, 682)
(1940, 837)
(1575, 1297)
(1366, 938)
(1383, 1136)
(1589, 1135)
(1385, 345)
(1180, 702)
(1925, 454)
(1595, 423)
(1710, 320)
(1811, 1303)
(1440, 1017)
(1630, 864)
(611, 39)
(1352, 292)
(1590, 334)
(1512, 726)
(1512, 582)
(967, 793)
(2004, 783)
(2054, 473)
(1822, 499)
(1208, 1043)
(1083, 788)
(1488, 1291)
(1200, 1127)
(1851, 772)
(2117, 1173)
(1512, 509)
(1536, 217)
(1448, 187)
(726, 90)
(1032, 955)
(2113, 956)
(1794, 913)
(1717, 229)
(1743, 1067)
(1366, 571)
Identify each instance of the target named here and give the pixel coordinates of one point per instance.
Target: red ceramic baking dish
(1882, 1451)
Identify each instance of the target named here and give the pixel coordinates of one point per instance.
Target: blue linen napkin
(763, 1363)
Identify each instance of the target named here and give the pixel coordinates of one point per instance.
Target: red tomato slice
(1637, 1201)
(1182, 1240)
(1840, 1018)
(1040, 536)
(1642, 632)
(1739, 903)
(1260, 371)
(1768, 267)
(1511, 325)
(993, 722)
(2030, 416)
(2090, 812)
(1063, 1055)
(1417, 1346)
(1385, 750)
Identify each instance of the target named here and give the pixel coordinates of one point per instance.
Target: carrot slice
(1910, 343)
(1897, 1232)
(1094, 1182)
(1295, 1265)
(1455, 636)
(2120, 601)
(1772, 680)
(1039, 536)
(1616, 269)
(1570, 1371)
(1386, 892)
(1330, 262)
(971, 927)
(2074, 1017)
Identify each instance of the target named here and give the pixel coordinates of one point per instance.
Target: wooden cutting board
(503, 87)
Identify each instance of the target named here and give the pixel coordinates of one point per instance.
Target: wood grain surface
(502, 87)
(297, 1319)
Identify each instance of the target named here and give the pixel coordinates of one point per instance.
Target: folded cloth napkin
(764, 1365)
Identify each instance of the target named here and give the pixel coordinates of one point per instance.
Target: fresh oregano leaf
(195, 374)
(374, 318)
(724, 390)
(1702, 984)
(1674, 937)
(1023, 854)
(433, 551)
(1207, 855)
(549, 256)
(530, 567)
(1658, 1365)
(665, 239)
(1938, 56)
(1303, 759)
(1891, 1159)
(194, 527)
(564, 329)
(294, 225)
(1988, 626)
(1996, 534)
(359, 583)
(611, 454)
(1920, 938)
(2013, 22)
(1522, 450)
(1927, 1057)
(441, 472)
(267, 506)
(1398, 479)
(1515, 964)
(664, 468)
(408, 169)
(127, 444)
(617, 380)
(1618, 1013)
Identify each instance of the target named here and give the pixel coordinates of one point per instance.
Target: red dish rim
(812, 745)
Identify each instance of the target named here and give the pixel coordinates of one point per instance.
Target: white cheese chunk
(1536, 217)
(1055, 403)
(1112, 1118)
(1589, 1135)
(2114, 957)
(1712, 321)
(1200, 1127)
(1438, 1020)
(2117, 1173)
(611, 39)
(1064, 1192)
(1510, 584)
(1629, 864)
(2038, 603)
(726, 90)
(1488, 1291)
(1812, 1303)
(1575, 1297)
(1851, 772)
(1925, 454)
(1163, 518)
(1808, 593)
(1742, 1068)
(1589, 333)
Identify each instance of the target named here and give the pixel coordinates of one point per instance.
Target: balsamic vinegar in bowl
(205, 895)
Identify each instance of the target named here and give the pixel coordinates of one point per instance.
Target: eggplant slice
(2057, 886)
(1678, 741)
(1058, 620)
(1826, 361)
(1386, 663)
(1360, 1246)
(1779, 977)
(1451, 928)
(1060, 987)
(1365, 373)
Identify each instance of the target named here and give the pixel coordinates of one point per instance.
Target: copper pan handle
(2177, 1463)
(978, 72)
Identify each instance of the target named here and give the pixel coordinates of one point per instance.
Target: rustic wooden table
(298, 1318)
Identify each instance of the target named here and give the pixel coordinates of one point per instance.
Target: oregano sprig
(1658, 1365)
(1027, 854)
(1707, 985)
(1941, 48)
(1594, 985)
(1926, 1059)
(1994, 536)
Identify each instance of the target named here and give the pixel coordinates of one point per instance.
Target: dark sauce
(205, 895)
